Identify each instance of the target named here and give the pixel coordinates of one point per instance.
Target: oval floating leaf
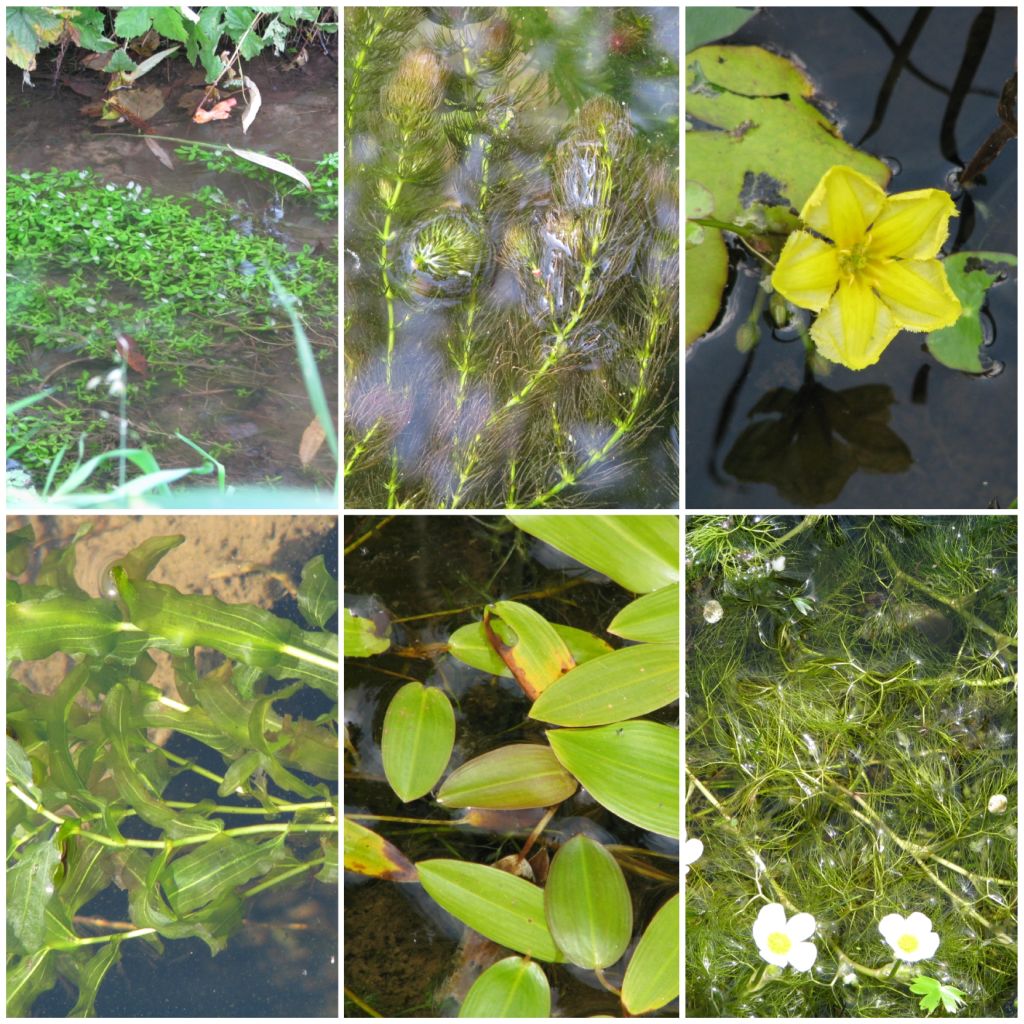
(535, 654)
(620, 685)
(361, 638)
(503, 908)
(512, 987)
(419, 733)
(641, 553)
(469, 644)
(367, 853)
(517, 776)
(652, 977)
(653, 618)
(631, 768)
(587, 903)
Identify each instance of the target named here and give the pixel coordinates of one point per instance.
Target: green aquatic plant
(512, 304)
(850, 754)
(87, 787)
(591, 697)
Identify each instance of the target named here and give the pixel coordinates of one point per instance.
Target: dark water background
(959, 430)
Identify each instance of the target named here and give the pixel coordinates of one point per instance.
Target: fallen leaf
(159, 152)
(131, 353)
(219, 112)
(96, 61)
(272, 164)
(312, 441)
(255, 102)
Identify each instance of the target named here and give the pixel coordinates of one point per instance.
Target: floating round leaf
(587, 903)
(419, 733)
(512, 987)
(652, 977)
(517, 776)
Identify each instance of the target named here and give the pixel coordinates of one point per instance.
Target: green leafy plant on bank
(851, 755)
(512, 305)
(85, 781)
(591, 698)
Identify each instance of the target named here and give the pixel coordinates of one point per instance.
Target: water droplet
(893, 164)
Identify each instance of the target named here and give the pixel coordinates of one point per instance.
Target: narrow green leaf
(418, 737)
(318, 593)
(367, 853)
(29, 888)
(469, 644)
(361, 640)
(641, 553)
(91, 975)
(28, 977)
(587, 903)
(511, 778)
(512, 987)
(37, 629)
(19, 768)
(624, 684)
(652, 977)
(653, 618)
(501, 907)
(90, 868)
(631, 768)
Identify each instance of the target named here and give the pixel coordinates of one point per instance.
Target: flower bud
(746, 337)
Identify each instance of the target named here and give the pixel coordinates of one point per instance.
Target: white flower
(911, 938)
(782, 942)
(692, 849)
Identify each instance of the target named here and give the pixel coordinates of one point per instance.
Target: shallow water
(922, 436)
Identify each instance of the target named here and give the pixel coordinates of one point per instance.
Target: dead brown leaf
(312, 441)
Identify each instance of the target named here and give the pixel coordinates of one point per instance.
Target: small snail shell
(107, 587)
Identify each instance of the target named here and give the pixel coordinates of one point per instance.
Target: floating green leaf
(503, 908)
(469, 644)
(512, 987)
(518, 776)
(529, 645)
(631, 768)
(706, 24)
(652, 977)
(418, 737)
(707, 273)
(653, 618)
(641, 553)
(587, 903)
(624, 684)
(361, 639)
(367, 853)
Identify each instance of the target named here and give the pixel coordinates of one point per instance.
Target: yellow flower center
(779, 943)
(908, 943)
(854, 260)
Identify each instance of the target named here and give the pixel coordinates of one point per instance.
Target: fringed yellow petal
(912, 225)
(855, 328)
(807, 272)
(917, 292)
(843, 206)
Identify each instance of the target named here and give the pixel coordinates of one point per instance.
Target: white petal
(892, 926)
(772, 918)
(801, 927)
(929, 943)
(918, 924)
(777, 959)
(802, 956)
(692, 849)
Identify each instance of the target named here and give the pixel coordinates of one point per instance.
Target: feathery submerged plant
(851, 752)
(513, 268)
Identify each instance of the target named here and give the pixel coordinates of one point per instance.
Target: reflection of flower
(692, 849)
(911, 938)
(781, 942)
(875, 273)
(808, 443)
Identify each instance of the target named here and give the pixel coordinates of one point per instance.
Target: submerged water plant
(851, 714)
(241, 800)
(512, 276)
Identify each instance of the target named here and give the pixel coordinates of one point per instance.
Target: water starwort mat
(851, 766)
(512, 257)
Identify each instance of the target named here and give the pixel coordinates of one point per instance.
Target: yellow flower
(875, 273)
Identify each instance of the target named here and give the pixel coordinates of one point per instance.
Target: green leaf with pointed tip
(361, 640)
(145, 557)
(652, 977)
(37, 629)
(641, 553)
(91, 975)
(28, 977)
(418, 737)
(511, 778)
(469, 644)
(318, 592)
(29, 888)
(624, 684)
(512, 987)
(653, 618)
(531, 648)
(501, 907)
(631, 768)
(587, 903)
(19, 768)
(367, 853)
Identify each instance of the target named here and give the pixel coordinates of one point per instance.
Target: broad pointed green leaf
(587, 903)
(418, 737)
(641, 553)
(36, 629)
(361, 640)
(469, 644)
(631, 768)
(501, 907)
(318, 592)
(91, 975)
(652, 977)
(19, 768)
(28, 977)
(624, 684)
(30, 887)
(514, 777)
(653, 618)
(528, 645)
(367, 853)
(512, 987)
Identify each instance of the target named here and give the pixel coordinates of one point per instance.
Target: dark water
(906, 432)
